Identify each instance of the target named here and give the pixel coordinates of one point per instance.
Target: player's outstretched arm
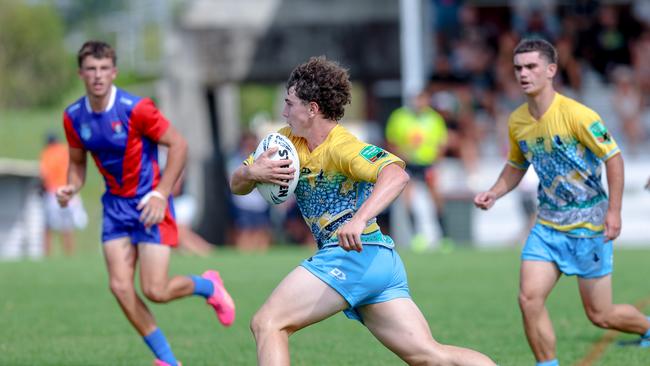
(391, 181)
(154, 204)
(263, 170)
(615, 183)
(76, 176)
(507, 181)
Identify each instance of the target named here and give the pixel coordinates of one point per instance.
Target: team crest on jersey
(600, 132)
(523, 146)
(372, 153)
(85, 132)
(118, 129)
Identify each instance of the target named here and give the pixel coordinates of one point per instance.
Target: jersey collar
(111, 101)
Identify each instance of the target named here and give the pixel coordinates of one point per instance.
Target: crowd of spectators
(472, 80)
(601, 49)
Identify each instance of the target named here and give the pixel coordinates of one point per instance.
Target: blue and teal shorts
(584, 257)
(375, 275)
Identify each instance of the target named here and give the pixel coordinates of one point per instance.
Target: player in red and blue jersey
(122, 133)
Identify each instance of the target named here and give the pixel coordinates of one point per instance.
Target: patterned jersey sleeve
(70, 133)
(516, 156)
(592, 133)
(149, 120)
(361, 161)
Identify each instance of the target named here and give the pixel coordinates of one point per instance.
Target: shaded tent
(22, 223)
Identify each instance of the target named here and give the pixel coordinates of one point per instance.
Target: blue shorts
(122, 219)
(375, 275)
(584, 257)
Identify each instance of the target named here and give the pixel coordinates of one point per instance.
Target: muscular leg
(596, 294)
(537, 279)
(120, 258)
(156, 285)
(400, 326)
(299, 300)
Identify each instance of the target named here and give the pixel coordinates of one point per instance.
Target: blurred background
(217, 68)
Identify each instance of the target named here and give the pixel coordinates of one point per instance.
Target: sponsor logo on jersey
(118, 129)
(600, 132)
(86, 132)
(372, 153)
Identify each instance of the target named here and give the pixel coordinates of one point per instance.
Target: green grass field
(59, 312)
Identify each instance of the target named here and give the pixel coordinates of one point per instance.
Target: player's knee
(260, 323)
(263, 323)
(121, 289)
(427, 353)
(529, 302)
(598, 318)
(155, 293)
(435, 357)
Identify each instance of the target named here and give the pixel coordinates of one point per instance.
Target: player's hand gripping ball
(271, 192)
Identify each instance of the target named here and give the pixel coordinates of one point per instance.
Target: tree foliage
(78, 14)
(34, 66)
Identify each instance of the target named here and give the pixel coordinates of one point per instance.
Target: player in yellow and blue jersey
(566, 143)
(344, 183)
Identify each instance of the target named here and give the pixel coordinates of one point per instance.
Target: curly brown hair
(324, 82)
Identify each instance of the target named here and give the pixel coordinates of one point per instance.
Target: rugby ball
(274, 193)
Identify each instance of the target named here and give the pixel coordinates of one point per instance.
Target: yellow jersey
(336, 178)
(566, 147)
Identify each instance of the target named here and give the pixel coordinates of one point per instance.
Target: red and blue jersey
(122, 140)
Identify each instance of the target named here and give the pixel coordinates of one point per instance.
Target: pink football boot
(220, 299)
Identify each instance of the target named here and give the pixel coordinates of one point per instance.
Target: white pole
(412, 48)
